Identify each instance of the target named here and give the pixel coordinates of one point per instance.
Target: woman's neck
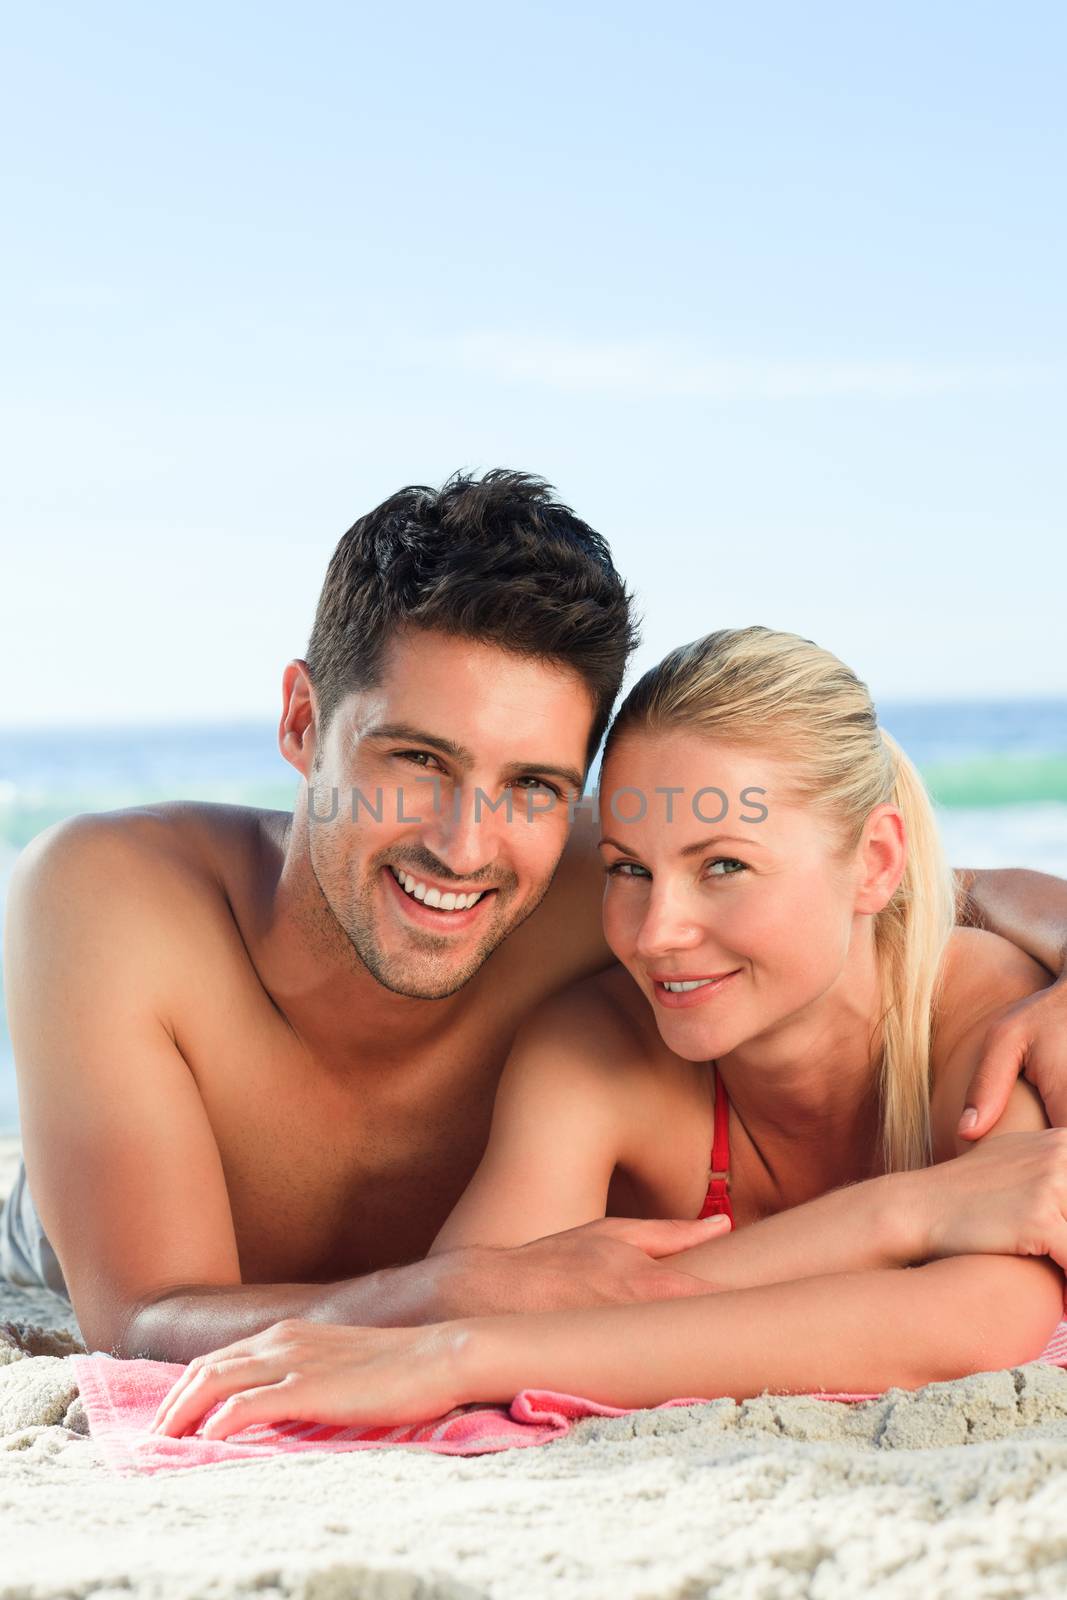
(806, 1091)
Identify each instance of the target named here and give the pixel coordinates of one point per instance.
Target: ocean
(997, 771)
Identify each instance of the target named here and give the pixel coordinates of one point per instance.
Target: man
(258, 1052)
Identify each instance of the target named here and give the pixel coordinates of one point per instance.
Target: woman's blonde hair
(755, 687)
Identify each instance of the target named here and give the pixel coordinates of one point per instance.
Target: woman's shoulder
(981, 974)
(596, 1037)
(606, 1011)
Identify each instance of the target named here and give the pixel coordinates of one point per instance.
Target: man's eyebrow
(701, 844)
(412, 735)
(459, 753)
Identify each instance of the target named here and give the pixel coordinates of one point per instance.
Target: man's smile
(429, 906)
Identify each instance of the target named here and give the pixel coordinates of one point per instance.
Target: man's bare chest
(332, 1173)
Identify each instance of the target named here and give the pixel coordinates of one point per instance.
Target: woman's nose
(668, 924)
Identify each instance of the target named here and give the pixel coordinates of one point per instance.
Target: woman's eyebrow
(718, 838)
(701, 844)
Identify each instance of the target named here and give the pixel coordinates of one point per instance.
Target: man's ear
(296, 731)
(882, 858)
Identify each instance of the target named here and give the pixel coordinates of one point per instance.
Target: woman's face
(723, 881)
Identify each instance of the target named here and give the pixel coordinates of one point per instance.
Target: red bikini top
(717, 1199)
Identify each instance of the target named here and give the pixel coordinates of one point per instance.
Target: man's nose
(460, 833)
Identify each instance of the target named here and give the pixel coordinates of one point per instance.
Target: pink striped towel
(121, 1399)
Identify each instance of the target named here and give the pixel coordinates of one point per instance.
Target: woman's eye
(625, 869)
(729, 862)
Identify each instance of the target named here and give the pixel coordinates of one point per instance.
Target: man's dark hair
(497, 559)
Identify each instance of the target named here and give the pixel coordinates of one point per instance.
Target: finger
(214, 1382)
(992, 1082)
(174, 1395)
(1046, 1069)
(666, 1236)
(242, 1347)
(173, 1399)
(265, 1405)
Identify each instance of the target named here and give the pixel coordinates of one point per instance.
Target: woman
(791, 997)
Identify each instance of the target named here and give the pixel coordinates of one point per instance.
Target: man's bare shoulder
(145, 859)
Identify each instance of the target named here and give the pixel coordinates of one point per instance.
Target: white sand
(957, 1490)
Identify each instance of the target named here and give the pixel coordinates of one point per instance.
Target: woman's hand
(300, 1371)
(1007, 1196)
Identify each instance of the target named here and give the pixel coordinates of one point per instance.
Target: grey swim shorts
(26, 1257)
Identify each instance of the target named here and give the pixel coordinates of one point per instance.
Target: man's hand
(1030, 1039)
(613, 1261)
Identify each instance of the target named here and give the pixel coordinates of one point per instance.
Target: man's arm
(120, 1155)
(1029, 909)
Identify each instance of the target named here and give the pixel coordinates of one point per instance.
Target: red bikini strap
(720, 1150)
(717, 1199)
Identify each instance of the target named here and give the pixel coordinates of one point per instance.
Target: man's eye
(419, 758)
(530, 782)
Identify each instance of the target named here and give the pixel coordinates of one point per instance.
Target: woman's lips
(690, 997)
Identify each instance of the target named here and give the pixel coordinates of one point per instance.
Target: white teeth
(434, 897)
(683, 988)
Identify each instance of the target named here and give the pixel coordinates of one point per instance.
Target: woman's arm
(558, 1125)
(879, 1224)
(854, 1333)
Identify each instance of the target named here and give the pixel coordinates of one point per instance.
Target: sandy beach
(955, 1489)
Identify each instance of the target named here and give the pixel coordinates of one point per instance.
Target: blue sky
(774, 295)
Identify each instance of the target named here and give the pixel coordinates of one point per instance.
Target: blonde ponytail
(911, 933)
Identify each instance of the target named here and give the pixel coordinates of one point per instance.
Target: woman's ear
(882, 858)
(296, 731)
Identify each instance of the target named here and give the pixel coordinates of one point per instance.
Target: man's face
(451, 780)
